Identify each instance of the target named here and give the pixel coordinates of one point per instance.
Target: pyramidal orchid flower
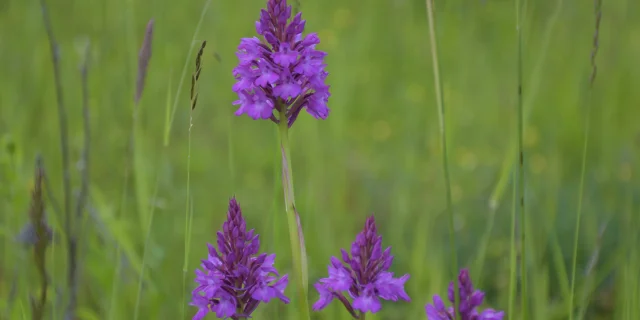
(234, 278)
(282, 71)
(470, 300)
(363, 274)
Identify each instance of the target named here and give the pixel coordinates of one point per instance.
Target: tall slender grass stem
(188, 219)
(533, 86)
(576, 238)
(512, 252)
(587, 125)
(443, 138)
(521, 190)
(64, 144)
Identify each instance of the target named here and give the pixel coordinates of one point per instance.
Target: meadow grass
(379, 151)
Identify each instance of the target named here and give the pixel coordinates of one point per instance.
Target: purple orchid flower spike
(234, 278)
(284, 71)
(470, 300)
(363, 274)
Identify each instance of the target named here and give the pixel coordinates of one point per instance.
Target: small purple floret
(234, 278)
(282, 71)
(470, 300)
(363, 274)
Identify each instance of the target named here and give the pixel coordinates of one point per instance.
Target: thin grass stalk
(136, 149)
(55, 306)
(62, 113)
(36, 215)
(634, 257)
(521, 184)
(296, 237)
(513, 264)
(144, 57)
(187, 244)
(576, 238)
(535, 79)
(188, 223)
(187, 220)
(445, 157)
(585, 146)
(635, 264)
(84, 188)
(64, 141)
(136, 153)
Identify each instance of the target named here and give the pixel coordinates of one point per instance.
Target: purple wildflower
(470, 300)
(234, 278)
(365, 275)
(282, 71)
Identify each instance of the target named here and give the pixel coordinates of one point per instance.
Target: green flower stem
(445, 156)
(296, 238)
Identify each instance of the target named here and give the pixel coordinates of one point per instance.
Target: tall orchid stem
(445, 157)
(298, 251)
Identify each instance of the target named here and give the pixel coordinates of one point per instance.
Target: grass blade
(189, 205)
(443, 141)
(585, 146)
(520, 179)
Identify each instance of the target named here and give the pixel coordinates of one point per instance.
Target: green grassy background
(377, 152)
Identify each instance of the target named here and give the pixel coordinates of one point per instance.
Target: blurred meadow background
(378, 151)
